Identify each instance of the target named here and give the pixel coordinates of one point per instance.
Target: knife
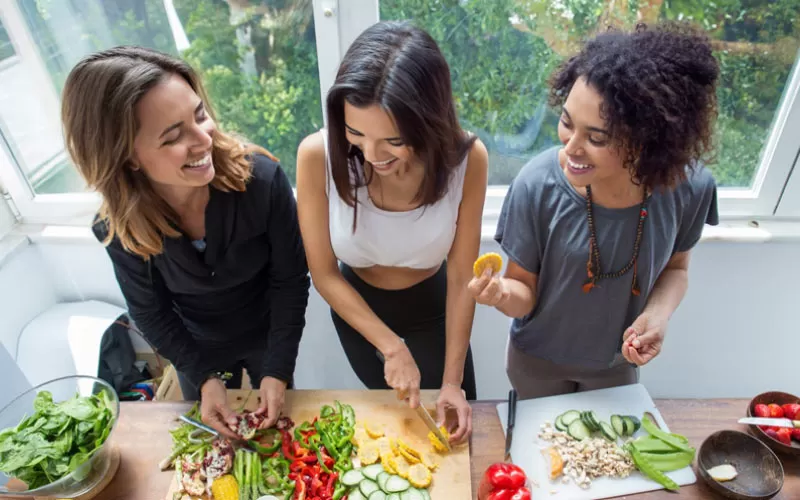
(212, 431)
(426, 417)
(512, 418)
(773, 422)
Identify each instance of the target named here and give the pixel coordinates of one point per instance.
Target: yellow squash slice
(491, 259)
(419, 476)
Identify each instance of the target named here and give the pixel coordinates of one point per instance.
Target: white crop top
(419, 238)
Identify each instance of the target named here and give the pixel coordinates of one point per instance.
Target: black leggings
(417, 315)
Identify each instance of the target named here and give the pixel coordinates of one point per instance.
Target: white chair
(64, 340)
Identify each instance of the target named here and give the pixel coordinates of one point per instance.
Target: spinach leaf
(57, 439)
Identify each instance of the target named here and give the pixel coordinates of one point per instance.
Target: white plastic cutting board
(526, 446)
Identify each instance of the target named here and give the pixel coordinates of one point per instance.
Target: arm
(460, 306)
(288, 281)
(150, 306)
(670, 287)
(513, 294)
(312, 207)
(642, 341)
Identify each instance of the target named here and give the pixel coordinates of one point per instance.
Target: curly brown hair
(658, 87)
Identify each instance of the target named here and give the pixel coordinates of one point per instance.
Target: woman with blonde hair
(201, 228)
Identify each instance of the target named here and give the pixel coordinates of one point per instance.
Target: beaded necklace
(593, 269)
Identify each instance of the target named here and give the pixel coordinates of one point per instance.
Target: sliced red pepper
(299, 490)
(286, 445)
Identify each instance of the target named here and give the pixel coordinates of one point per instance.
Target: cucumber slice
(377, 495)
(637, 424)
(396, 484)
(578, 430)
(411, 494)
(425, 494)
(352, 477)
(382, 478)
(588, 422)
(594, 419)
(570, 416)
(392, 496)
(608, 431)
(372, 471)
(618, 425)
(368, 487)
(355, 494)
(560, 425)
(630, 427)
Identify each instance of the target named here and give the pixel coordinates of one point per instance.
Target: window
(268, 64)
(502, 52)
(257, 59)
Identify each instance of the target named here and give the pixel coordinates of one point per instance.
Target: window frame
(774, 191)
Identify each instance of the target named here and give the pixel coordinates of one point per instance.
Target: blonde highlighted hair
(98, 113)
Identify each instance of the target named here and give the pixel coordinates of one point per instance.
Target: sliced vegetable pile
(372, 482)
(288, 462)
(653, 454)
(56, 439)
(581, 424)
(396, 457)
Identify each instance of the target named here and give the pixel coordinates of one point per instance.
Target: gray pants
(534, 377)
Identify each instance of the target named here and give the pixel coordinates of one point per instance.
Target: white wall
(26, 289)
(734, 335)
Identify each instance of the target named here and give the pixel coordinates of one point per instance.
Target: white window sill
(729, 231)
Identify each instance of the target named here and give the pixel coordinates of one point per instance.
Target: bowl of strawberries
(776, 405)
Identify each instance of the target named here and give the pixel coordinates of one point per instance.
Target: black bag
(117, 357)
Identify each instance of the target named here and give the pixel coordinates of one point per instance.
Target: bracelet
(448, 384)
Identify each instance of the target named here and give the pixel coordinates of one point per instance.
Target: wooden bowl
(779, 398)
(760, 473)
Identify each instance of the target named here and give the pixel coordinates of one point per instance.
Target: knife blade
(772, 422)
(512, 419)
(429, 422)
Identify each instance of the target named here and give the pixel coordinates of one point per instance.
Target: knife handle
(512, 408)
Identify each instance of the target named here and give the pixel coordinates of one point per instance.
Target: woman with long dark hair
(394, 191)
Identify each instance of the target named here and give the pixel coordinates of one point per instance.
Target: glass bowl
(87, 475)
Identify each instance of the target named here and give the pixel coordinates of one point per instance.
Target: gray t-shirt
(543, 228)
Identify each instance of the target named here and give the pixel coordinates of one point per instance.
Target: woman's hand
(402, 374)
(488, 290)
(214, 410)
(273, 397)
(642, 341)
(452, 398)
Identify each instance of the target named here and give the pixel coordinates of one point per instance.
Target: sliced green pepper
(649, 470)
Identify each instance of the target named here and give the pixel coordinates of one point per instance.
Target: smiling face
(373, 131)
(173, 143)
(589, 154)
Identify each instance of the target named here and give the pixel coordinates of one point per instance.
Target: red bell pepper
(504, 481)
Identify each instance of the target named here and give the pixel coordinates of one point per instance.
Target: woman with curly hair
(201, 228)
(598, 232)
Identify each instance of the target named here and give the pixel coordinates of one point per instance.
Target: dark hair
(400, 68)
(659, 100)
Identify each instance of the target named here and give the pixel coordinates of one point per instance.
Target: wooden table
(143, 438)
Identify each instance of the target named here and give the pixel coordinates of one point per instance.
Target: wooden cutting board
(451, 480)
(526, 445)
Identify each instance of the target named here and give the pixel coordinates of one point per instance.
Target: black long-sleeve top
(250, 282)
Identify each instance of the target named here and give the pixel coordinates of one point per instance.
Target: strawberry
(790, 411)
(771, 433)
(796, 434)
(785, 436)
(775, 411)
(761, 411)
